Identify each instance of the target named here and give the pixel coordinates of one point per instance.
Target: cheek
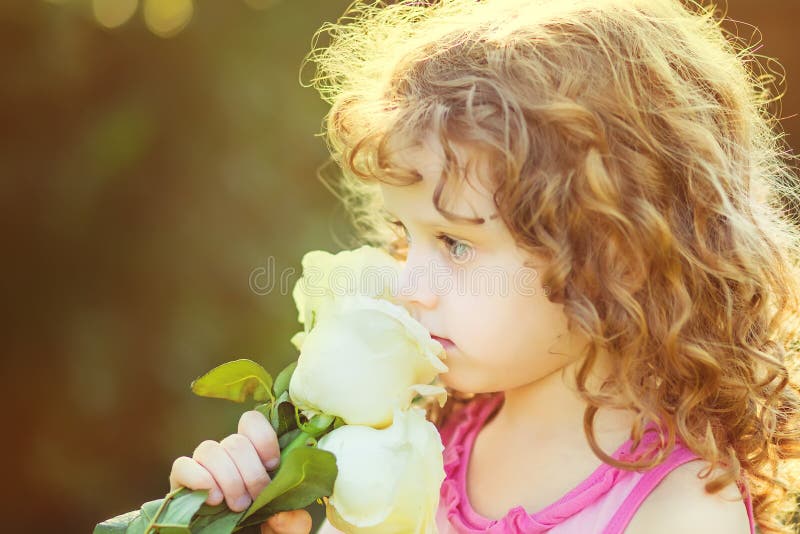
(503, 316)
(486, 322)
(526, 322)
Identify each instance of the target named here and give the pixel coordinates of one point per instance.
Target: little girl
(595, 220)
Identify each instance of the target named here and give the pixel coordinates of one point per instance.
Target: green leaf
(133, 522)
(264, 409)
(143, 517)
(217, 519)
(281, 415)
(234, 381)
(338, 422)
(223, 522)
(287, 438)
(207, 509)
(318, 425)
(172, 529)
(303, 439)
(137, 526)
(306, 474)
(150, 509)
(283, 379)
(118, 524)
(174, 518)
(177, 515)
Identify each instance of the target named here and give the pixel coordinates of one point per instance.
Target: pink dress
(603, 503)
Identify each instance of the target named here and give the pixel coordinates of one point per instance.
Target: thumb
(289, 522)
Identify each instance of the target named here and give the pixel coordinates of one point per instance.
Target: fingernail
(242, 502)
(272, 463)
(215, 496)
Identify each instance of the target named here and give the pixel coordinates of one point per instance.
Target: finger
(259, 431)
(216, 460)
(289, 522)
(188, 473)
(244, 456)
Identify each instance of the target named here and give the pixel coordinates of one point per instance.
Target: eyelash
(449, 241)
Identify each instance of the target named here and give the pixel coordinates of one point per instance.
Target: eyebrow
(446, 223)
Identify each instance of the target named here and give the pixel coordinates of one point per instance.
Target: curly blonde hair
(631, 142)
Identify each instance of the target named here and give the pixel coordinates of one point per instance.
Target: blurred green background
(159, 168)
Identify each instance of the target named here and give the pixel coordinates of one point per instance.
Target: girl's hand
(236, 469)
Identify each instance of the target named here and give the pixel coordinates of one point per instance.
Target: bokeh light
(167, 18)
(114, 13)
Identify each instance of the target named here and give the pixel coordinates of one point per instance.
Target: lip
(446, 343)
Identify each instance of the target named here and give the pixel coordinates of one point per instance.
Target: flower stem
(303, 439)
(168, 498)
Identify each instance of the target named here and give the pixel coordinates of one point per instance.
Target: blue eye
(459, 251)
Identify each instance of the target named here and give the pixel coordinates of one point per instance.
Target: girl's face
(469, 284)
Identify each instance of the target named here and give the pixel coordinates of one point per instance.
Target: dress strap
(650, 480)
(644, 487)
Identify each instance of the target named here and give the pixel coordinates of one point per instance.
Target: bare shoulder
(680, 504)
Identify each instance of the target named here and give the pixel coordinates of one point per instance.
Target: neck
(550, 410)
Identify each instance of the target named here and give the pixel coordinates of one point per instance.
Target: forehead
(466, 194)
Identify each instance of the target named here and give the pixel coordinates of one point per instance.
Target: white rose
(366, 271)
(389, 480)
(363, 360)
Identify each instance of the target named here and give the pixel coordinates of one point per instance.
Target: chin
(464, 385)
(451, 381)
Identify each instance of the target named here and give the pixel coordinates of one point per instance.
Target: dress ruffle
(454, 437)
(459, 512)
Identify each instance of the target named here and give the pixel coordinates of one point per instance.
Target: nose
(415, 290)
